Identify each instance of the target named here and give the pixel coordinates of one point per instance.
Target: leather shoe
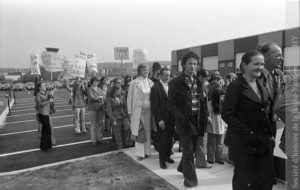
(162, 165)
(221, 162)
(170, 161)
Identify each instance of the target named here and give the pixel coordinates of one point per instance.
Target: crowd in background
(156, 108)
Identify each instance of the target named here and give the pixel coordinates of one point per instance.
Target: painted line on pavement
(35, 113)
(32, 105)
(37, 149)
(13, 122)
(33, 102)
(34, 108)
(34, 130)
(59, 163)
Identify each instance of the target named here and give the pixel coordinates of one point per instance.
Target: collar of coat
(183, 76)
(249, 92)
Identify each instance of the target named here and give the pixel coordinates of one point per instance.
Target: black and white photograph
(149, 94)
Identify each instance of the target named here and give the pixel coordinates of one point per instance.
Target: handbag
(141, 138)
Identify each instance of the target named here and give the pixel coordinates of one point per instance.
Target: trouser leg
(186, 164)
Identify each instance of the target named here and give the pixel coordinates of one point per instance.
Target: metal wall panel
(174, 58)
(291, 37)
(226, 66)
(209, 50)
(210, 63)
(226, 50)
(276, 37)
(245, 44)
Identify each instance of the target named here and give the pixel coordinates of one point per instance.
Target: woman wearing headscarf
(138, 103)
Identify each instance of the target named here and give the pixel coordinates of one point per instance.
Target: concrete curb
(4, 114)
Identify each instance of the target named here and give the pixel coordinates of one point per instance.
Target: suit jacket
(93, 101)
(273, 87)
(114, 109)
(244, 113)
(159, 100)
(180, 105)
(135, 102)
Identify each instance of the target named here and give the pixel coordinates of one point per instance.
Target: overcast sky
(160, 26)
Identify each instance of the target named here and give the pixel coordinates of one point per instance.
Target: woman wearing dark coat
(249, 136)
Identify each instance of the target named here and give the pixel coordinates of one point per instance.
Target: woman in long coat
(249, 136)
(138, 103)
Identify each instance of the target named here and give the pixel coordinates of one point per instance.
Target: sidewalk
(218, 177)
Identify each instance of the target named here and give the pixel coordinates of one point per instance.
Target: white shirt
(165, 85)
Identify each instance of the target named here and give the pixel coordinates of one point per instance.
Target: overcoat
(135, 102)
(249, 129)
(180, 105)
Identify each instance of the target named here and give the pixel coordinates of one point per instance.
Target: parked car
(7, 86)
(1, 86)
(18, 86)
(30, 86)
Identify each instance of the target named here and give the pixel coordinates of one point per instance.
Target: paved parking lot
(19, 141)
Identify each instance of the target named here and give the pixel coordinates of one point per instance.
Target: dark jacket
(116, 110)
(245, 113)
(180, 105)
(273, 84)
(159, 100)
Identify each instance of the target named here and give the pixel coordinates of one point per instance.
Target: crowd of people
(237, 110)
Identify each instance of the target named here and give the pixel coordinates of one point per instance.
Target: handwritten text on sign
(121, 53)
(79, 68)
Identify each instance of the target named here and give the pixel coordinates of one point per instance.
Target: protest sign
(139, 56)
(53, 62)
(121, 53)
(91, 63)
(34, 66)
(67, 70)
(79, 68)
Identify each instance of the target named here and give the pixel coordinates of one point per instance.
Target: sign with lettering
(79, 68)
(53, 62)
(91, 63)
(34, 66)
(121, 53)
(67, 70)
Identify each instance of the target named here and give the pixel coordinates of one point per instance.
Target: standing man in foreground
(163, 118)
(272, 77)
(186, 103)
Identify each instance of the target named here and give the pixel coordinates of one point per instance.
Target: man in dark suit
(163, 118)
(186, 102)
(272, 76)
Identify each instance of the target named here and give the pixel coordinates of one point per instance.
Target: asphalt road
(19, 141)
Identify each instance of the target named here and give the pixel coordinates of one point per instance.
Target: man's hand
(162, 124)
(114, 122)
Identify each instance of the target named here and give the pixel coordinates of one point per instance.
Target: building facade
(226, 56)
